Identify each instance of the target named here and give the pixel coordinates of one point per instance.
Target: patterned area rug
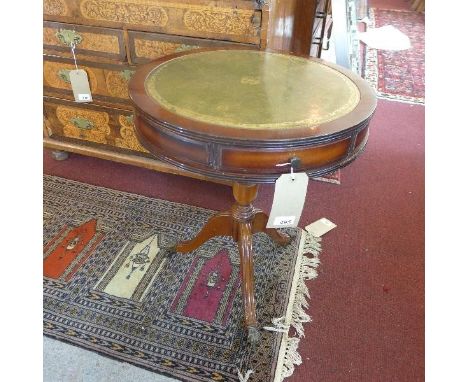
(111, 287)
(398, 75)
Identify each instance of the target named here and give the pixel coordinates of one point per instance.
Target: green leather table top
(252, 89)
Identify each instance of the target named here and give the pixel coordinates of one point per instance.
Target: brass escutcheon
(64, 75)
(82, 123)
(127, 74)
(68, 37)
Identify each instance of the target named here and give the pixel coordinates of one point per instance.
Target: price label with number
(284, 221)
(84, 97)
(80, 85)
(288, 200)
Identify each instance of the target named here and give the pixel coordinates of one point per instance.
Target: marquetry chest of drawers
(111, 37)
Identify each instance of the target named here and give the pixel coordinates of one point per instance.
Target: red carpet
(368, 301)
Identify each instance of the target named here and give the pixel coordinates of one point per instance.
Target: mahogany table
(234, 115)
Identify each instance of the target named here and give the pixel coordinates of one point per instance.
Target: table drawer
(96, 124)
(234, 20)
(144, 46)
(89, 41)
(107, 82)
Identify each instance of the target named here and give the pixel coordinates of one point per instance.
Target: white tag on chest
(80, 85)
(288, 200)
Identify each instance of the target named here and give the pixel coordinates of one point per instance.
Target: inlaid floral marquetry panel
(97, 42)
(84, 124)
(227, 21)
(132, 12)
(175, 17)
(127, 132)
(117, 83)
(154, 49)
(55, 8)
(56, 75)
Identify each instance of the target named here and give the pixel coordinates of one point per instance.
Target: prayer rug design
(398, 75)
(111, 286)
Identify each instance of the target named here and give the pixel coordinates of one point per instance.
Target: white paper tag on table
(80, 85)
(320, 227)
(288, 200)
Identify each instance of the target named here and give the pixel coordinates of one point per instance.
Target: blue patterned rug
(111, 287)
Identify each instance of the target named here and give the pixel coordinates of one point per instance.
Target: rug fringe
(298, 316)
(308, 272)
(291, 357)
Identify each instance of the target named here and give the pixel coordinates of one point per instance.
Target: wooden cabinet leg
(60, 155)
(218, 225)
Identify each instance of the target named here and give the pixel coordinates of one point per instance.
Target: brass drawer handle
(82, 123)
(68, 37)
(64, 75)
(127, 74)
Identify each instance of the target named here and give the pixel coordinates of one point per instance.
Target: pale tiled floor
(67, 363)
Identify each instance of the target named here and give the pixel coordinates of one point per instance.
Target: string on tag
(72, 46)
(288, 164)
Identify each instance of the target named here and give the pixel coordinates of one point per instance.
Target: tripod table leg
(218, 225)
(259, 225)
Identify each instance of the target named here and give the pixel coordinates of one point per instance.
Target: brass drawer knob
(82, 123)
(68, 37)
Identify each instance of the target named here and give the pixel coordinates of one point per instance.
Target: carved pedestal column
(241, 222)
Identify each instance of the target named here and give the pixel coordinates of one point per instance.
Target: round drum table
(236, 115)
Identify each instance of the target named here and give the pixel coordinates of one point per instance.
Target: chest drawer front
(235, 20)
(144, 46)
(89, 41)
(96, 124)
(107, 82)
